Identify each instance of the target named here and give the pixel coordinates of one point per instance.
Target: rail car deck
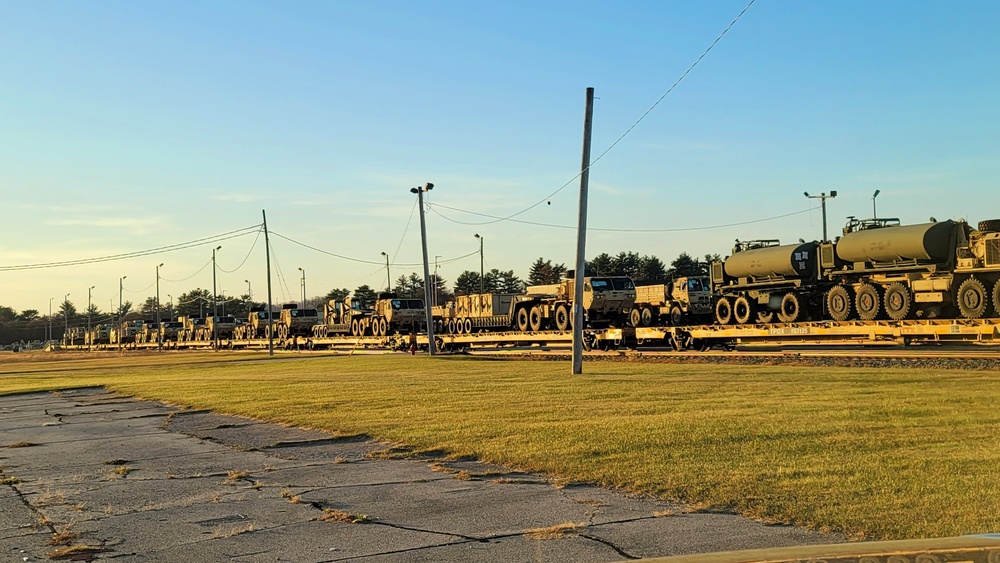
(704, 337)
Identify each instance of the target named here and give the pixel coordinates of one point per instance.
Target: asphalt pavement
(90, 475)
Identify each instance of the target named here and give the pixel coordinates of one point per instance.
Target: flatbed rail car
(906, 332)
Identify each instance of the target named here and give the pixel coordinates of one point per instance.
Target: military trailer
(882, 269)
(763, 279)
(683, 301)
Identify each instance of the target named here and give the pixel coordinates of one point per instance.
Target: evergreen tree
(365, 294)
(26, 315)
(545, 272)
(194, 303)
(467, 283)
(7, 314)
(507, 282)
(336, 294)
(685, 265)
(651, 271)
(601, 265)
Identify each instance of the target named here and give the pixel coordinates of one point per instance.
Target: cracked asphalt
(104, 476)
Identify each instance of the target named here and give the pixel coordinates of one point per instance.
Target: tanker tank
(788, 261)
(925, 242)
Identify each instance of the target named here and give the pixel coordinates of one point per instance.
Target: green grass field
(876, 454)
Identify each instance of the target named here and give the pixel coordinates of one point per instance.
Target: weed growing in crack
(664, 513)
(63, 537)
(334, 515)
(167, 419)
(256, 485)
(234, 476)
(9, 480)
(224, 533)
(564, 530)
(295, 499)
(80, 507)
(122, 470)
(50, 498)
(21, 444)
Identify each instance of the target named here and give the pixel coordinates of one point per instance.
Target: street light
(170, 306)
(388, 279)
(159, 332)
(249, 292)
(215, 303)
(482, 271)
(121, 287)
(431, 346)
(66, 314)
(875, 195)
(50, 319)
(822, 202)
(303, 287)
(434, 296)
(89, 290)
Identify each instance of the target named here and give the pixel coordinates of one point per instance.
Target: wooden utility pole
(427, 275)
(581, 239)
(270, 321)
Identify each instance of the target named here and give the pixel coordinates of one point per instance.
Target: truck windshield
(414, 304)
(694, 284)
(599, 284)
(622, 283)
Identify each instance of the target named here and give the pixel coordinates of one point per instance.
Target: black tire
(867, 302)
(971, 299)
(535, 319)
(897, 301)
(839, 303)
(522, 319)
(990, 226)
(742, 310)
(355, 328)
(723, 311)
(676, 316)
(635, 317)
(468, 326)
(791, 308)
(562, 318)
(996, 299)
(648, 317)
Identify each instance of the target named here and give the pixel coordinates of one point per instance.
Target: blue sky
(126, 126)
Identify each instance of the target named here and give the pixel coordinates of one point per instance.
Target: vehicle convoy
(75, 336)
(191, 327)
(606, 302)
(391, 315)
(685, 300)
(877, 269)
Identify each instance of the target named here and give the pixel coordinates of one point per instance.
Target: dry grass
(21, 444)
(234, 476)
(664, 513)
(564, 530)
(63, 537)
(873, 453)
(9, 480)
(334, 515)
(230, 532)
(75, 552)
(50, 498)
(122, 470)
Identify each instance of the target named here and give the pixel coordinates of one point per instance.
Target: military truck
(216, 327)
(99, 335)
(125, 332)
(191, 326)
(394, 315)
(344, 316)
(169, 330)
(75, 336)
(881, 268)
(682, 301)
(148, 332)
(293, 321)
(256, 325)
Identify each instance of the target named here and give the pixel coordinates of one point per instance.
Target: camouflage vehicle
(682, 301)
(216, 327)
(347, 316)
(169, 330)
(125, 332)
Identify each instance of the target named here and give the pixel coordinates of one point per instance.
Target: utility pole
(581, 238)
(215, 304)
(159, 341)
(170, 306)
(436, 279)
(249, 293)
(66, 314)
(47, 339)
(822, 203)
(89, 290)
(270, 314)
(427, 286)
(388, 278)
(482, 271)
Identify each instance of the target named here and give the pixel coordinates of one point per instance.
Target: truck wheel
(383, 327)
(468, 326)
(676, 316)
(990, 226)
(897, 301)
(791, 308)
(742, 310)
(522, 319)
(648, 317)
(723, 311)
(562, 317)
(867, 302)
(838, 303)
(535, 319)
(635, 317)
(972, 298)
(996, 299)
(355, 329)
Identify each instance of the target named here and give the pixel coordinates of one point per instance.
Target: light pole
(120, 328)
(159, 332)
(223, 293)
(435, 294)
(431, 348)
(170, 306)
(50, 319)
(66, 314)
(388, 280)
(215, 303)
(822, 203)
(249, 293)
(89, 290)
(482, 271)
(875, 195)
(303, 287)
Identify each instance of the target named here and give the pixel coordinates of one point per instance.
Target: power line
(627, 131)
(247, 257)
(205, 265)
(672, 230)
(136, 254)
(358, 260)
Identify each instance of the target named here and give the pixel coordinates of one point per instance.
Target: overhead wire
(608, 230)
(205, 265)
(358, 260)
(137, 254)
(627, 131)
(245, 258)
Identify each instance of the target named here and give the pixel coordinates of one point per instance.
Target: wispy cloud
(134, 225)
(237, 198)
